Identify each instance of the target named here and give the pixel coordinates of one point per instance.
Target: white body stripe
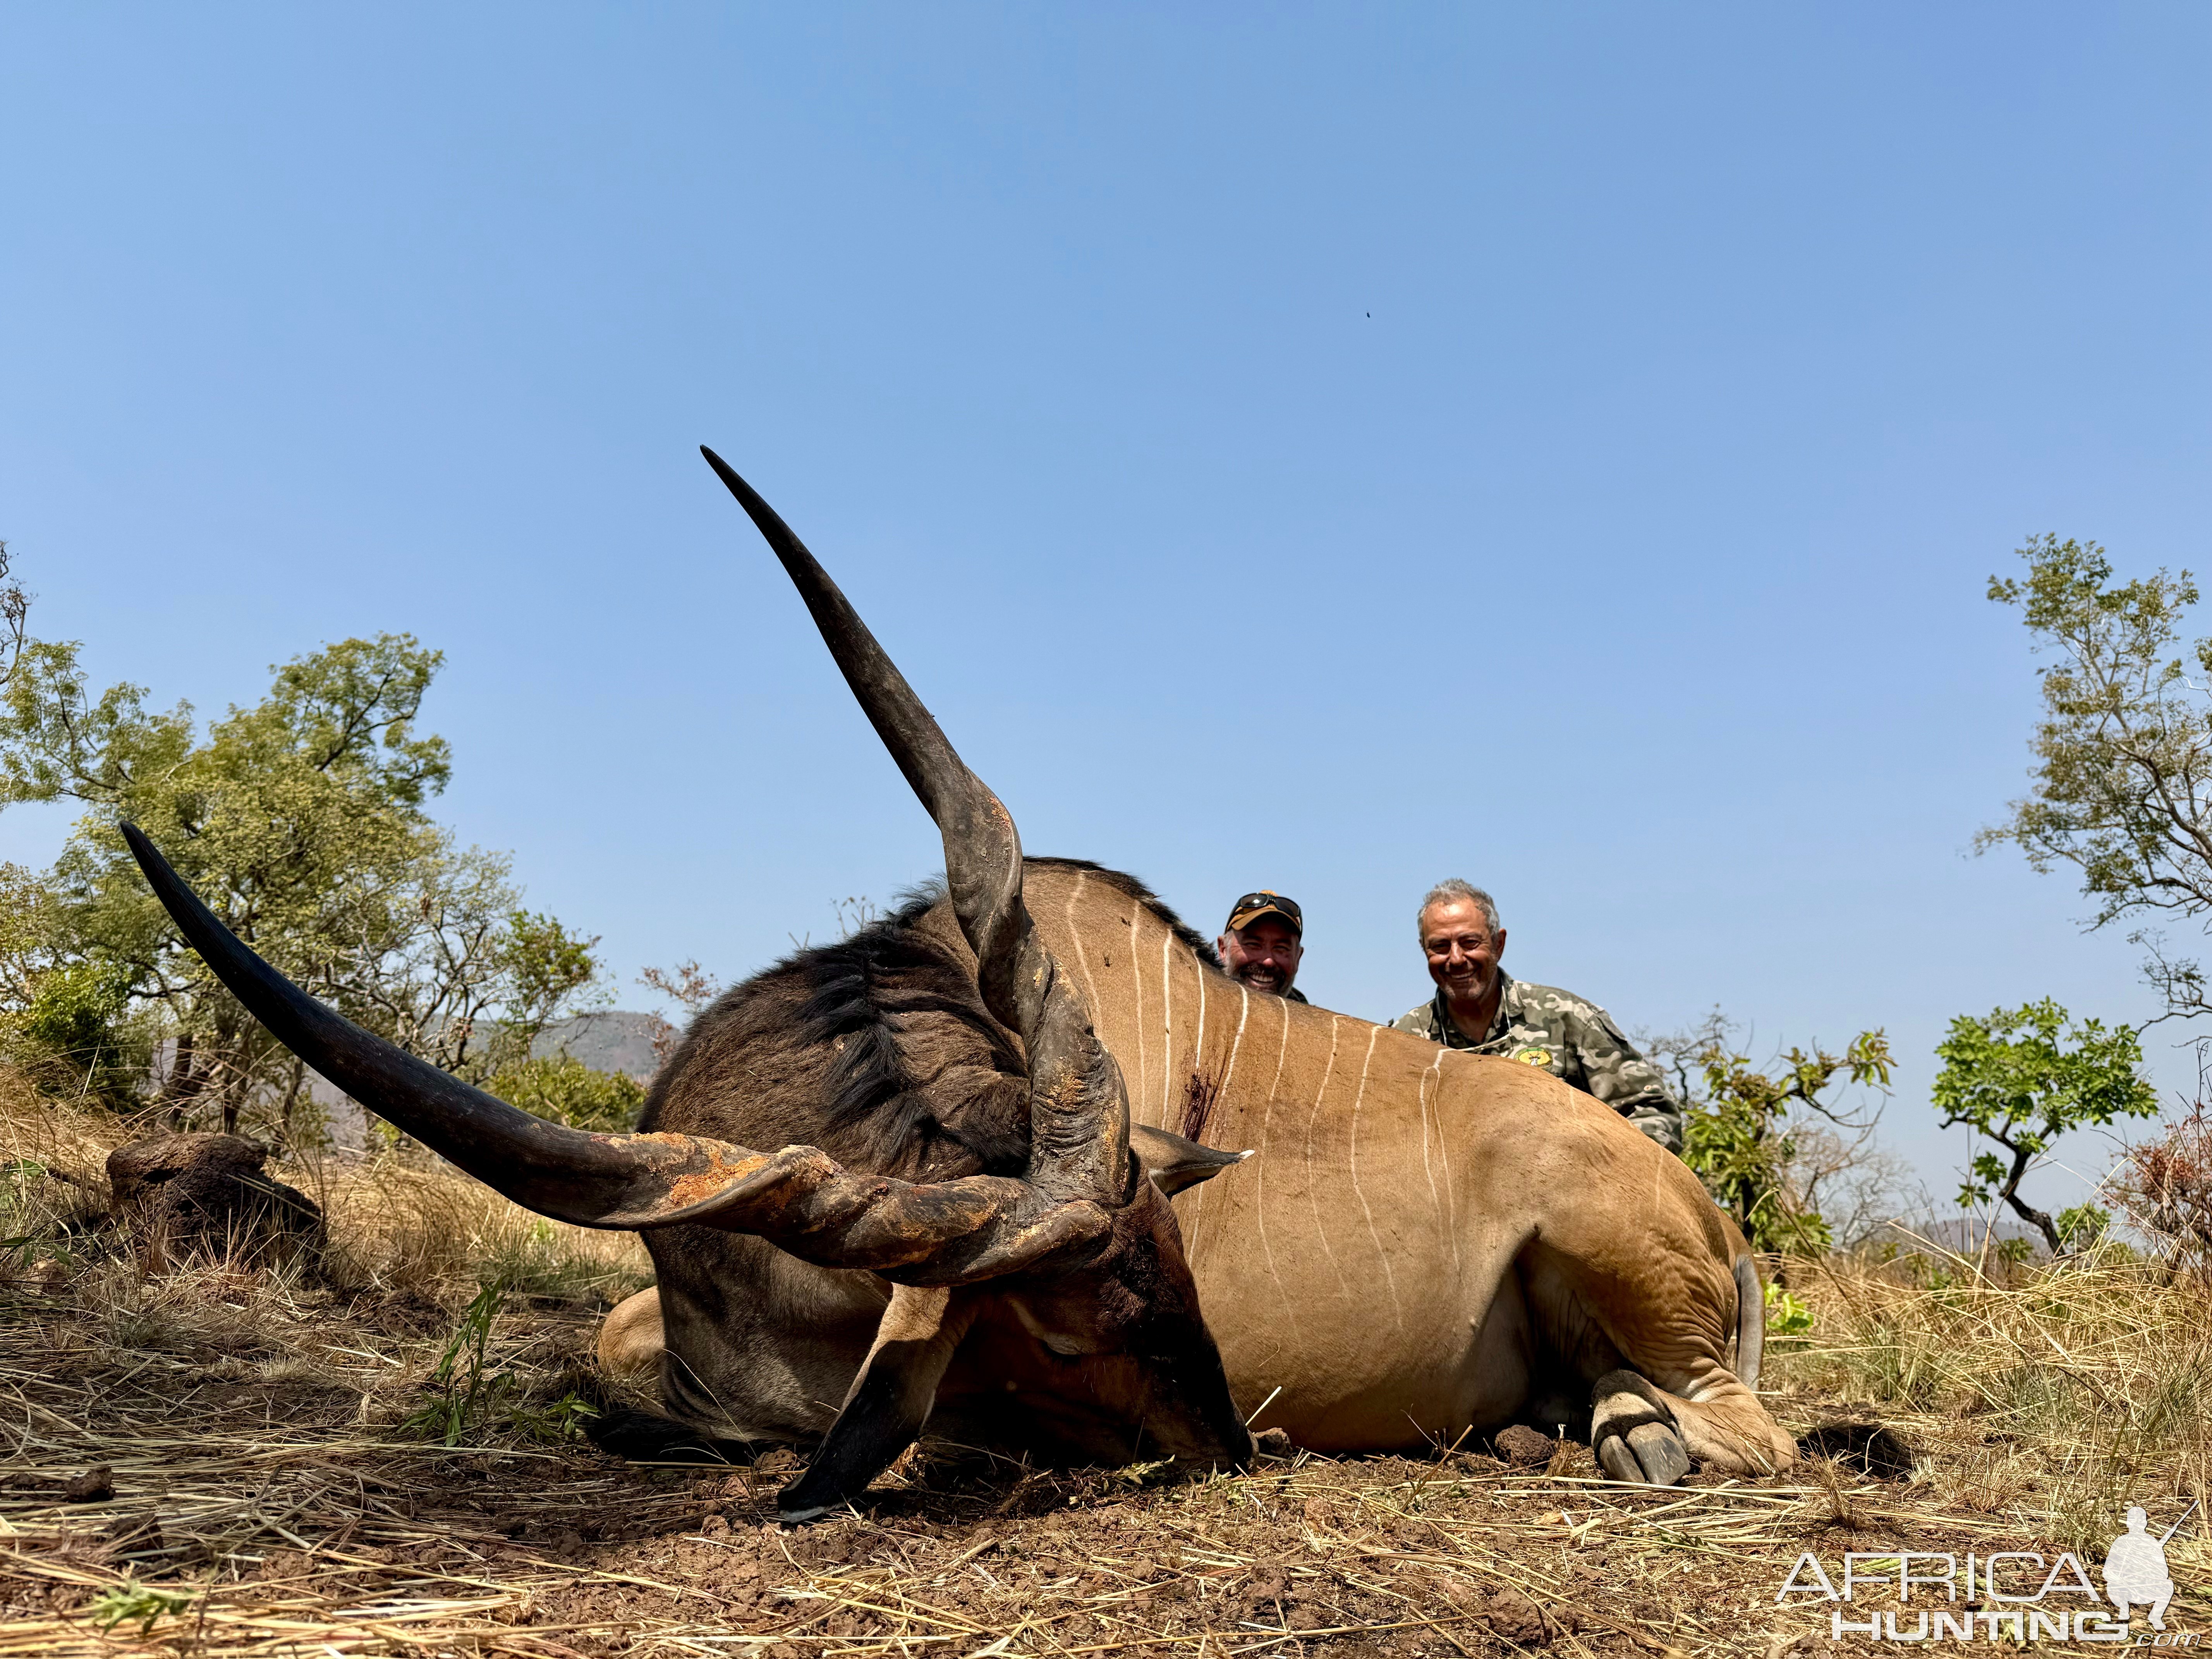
(1082, 956)
(1260, 1174)
(1167, 1026)
(1313, 1196)
(1142, 1090)
(1389, 1278)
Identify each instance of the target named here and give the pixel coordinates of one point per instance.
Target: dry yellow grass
(2056, 1400)
(396, 1224)
(269, 1499)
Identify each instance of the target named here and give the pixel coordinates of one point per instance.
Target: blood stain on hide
(1198, 1097)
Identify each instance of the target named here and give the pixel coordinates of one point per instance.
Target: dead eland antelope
(984, 1104)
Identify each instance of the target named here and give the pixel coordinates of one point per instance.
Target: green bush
(2083, 1225)
(71, 1036)
(565, 1090)
(1740, 1137)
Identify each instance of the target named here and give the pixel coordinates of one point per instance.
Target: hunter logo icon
(2134, 1568)
(1533, 1056)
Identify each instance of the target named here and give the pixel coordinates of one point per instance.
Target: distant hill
(1961, 1234)
(614, 1040)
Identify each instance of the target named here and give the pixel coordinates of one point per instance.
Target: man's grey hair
(1451, 890)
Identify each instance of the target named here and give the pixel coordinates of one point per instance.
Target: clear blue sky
(1324, 448)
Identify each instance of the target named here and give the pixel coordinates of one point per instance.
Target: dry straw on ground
(270, 1497)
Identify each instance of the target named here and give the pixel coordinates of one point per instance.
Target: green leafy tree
(2020, 1078)
(1743, 1129)
(301, 820)
(2123, 777)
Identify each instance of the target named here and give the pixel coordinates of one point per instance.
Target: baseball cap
(1265, 902)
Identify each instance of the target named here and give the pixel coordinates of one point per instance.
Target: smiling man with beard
(1478, 1005)
(1264, 942)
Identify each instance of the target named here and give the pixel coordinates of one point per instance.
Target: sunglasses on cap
(1253, 906)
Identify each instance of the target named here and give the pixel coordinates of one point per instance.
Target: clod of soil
(1513, 1616)
(95, 1486)
(1523, 1445)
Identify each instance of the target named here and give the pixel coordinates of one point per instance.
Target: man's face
(1264, 956)
(1461, 950)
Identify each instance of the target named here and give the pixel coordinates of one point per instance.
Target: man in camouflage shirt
(1479, 1006)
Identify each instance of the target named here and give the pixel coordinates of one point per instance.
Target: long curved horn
(1079, 1111)
(798, 1199)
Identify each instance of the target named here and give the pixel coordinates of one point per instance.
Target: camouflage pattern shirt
(1575, 1041)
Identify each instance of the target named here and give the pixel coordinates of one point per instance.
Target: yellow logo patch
(1533, 1056)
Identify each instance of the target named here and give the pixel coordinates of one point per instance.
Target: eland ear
(1174, 1161)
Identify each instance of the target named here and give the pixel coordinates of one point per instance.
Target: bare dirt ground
(278, 1481)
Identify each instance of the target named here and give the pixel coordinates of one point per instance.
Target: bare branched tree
(691, 987)
(14, 616)
(1850, 1179)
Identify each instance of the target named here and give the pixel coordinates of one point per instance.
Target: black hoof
(1650, 1455)
(1634, 1434)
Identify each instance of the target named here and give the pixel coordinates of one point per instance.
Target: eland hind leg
(1651, 1348)
(1705, 1410)
(1642, 1433)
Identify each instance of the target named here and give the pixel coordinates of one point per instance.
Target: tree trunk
(2041, 1219)
(2010, 1193)
(184, 1082)
(230, 1053)
(292, 1100)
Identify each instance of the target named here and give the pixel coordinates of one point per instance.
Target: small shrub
(2081, 1226)
(130, 1602)
(463, 1395)
(1785, 1314)
(2164, 1188)
(559, 1423)
(70, 1035)
(1740, 1135)
(471, 1398)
